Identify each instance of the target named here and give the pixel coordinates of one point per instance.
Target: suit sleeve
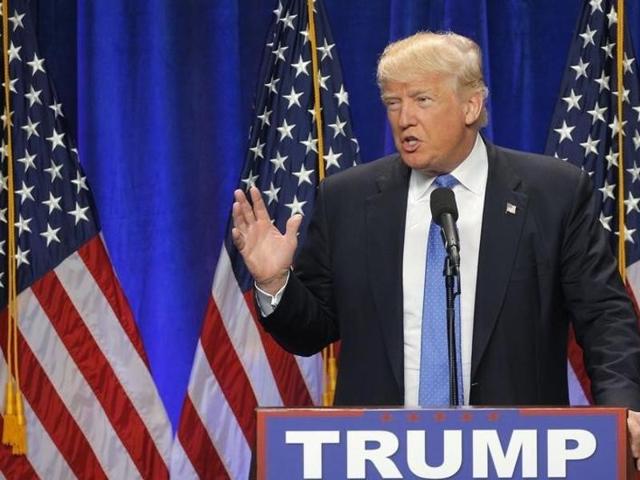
(603, 317)
(304, 322)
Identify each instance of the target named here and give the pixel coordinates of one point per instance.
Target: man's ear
(473, 107)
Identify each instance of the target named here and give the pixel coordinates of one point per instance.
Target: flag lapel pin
(511, 209)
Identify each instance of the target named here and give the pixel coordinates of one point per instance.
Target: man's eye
(392, 104)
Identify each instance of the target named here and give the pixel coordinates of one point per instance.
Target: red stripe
(97, 262)
(197, 445)
(14, 466)
(100, 376)
(286, 371)
(577, 363)
(52, 413)
(229, 372)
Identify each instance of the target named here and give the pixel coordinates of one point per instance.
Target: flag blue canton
(54, 212)
(586, 122)
(282, 160)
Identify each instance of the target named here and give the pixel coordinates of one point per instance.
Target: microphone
(445, 213)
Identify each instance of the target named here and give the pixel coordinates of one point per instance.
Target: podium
(464, 443)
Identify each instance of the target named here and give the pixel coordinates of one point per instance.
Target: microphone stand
(450, 275)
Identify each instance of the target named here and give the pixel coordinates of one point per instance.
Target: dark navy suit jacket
(542, 268)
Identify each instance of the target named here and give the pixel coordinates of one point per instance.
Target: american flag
(584, 131)
(92, 408)
(237, 366)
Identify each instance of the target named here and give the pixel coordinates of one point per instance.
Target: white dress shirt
(472, 177)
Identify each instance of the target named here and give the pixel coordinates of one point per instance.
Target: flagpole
(14, 429)
(328, 354)
(622, 257)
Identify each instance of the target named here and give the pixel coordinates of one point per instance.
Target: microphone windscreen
(443, 201)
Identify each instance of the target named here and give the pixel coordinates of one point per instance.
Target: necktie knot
(447, 181)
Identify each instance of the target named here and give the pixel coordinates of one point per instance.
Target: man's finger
(293, 224)
(259, 208)
(237, 216)
(238, 238)
(245, 207)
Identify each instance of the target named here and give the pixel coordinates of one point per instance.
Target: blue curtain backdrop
(158, 94)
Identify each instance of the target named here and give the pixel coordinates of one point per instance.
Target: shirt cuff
(267, 303)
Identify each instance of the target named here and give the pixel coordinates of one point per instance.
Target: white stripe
(76, 394)
(311, 369)
(42, 453)
(181, 468)
(129, 369)
(243, 332)
(218, 418)
(633, 277)
(576, 393)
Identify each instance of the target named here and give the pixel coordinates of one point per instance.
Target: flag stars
(28, 161)
(612, 16)
(250, 180)
(80, 182)
(264, 118)
(603, 81)
(342, 96)
(51, 234)
(21, 256)
(305, 35)
(338, 127)
(25, 193)
(272, 194)
(23, 225)
(573, 101)
(616, 126)
(301, 67)
(293, 98)
(331, 159)
(590, 146)
(272, 85)
(288, 21)
(31, 128)
(628, 62)
(57, 109)
(596, 5)
(53, 203)
(612, 159)
(12, 86)
(2, 243)
(3, 117)
(637, 109)
(322, 80)
(607, 190)
(625, 94)
(310, 143)
(581, 69)
(304, 175)
(628, 234)
(78, 213)
(257, 149)
(564, 131)
(587, 37)
(632, 204)
(608, 49)
(285, 130)
(597, 113)
(278, 162)
(16, 20)
(325, 49)
(37, 64)
(279, 52)
(33, 96)
(54, 171)
(636, 140)
(14, 53)
(635, 173)
(605, 221)
(296, 206)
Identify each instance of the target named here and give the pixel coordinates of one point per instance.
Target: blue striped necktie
(434, 358)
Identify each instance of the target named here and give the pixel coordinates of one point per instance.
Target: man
(533, 256)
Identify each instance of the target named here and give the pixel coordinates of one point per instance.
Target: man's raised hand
(267, 253)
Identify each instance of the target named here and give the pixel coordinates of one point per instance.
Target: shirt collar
(471, 173)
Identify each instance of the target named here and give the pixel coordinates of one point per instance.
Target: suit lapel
(385, 225)
(505, 209)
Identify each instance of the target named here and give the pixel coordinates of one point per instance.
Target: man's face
(431, 123)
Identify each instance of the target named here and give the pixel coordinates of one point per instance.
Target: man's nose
(407, 115)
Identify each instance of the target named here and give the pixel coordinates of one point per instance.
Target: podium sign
(469, 443)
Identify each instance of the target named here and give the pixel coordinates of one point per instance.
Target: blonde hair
(445, 53)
